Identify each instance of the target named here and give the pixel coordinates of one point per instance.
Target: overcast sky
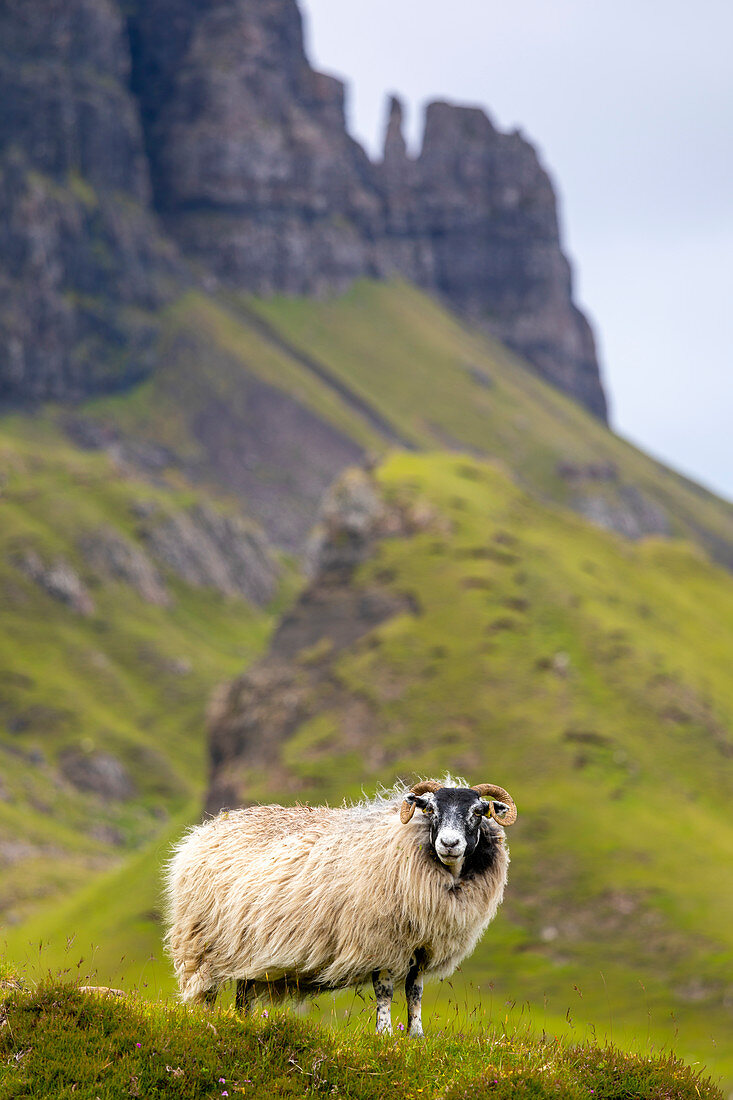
(630, 105)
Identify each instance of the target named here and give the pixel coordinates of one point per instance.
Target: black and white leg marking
(383, 991)
(413, 995)
(244, 996)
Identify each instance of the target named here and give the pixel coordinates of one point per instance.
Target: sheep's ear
(419, 800)
(409, 803)
(499, 808)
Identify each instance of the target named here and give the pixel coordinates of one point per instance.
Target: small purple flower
(225, 1093)
(400, 1027)
(138, 1045)
(222, 1080)
(266, 1014)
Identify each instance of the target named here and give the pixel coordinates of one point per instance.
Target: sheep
(298, 900)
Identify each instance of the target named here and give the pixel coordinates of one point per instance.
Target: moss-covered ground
(57, 1041)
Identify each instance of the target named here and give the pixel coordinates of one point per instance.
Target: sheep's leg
(209, 997)
(383, 991)
(244, 996)
(413, 995)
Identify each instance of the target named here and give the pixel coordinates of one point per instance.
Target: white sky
(630, 105)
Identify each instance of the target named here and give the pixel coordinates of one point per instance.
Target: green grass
(130, 679)
(587, 674)
(57, 1041)
(591, 677)
(206, 354)
(438, 383)
(108, 930)
(444, 385)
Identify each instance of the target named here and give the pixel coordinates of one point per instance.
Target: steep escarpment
(82, 267)
(125, 127)
(488, 217)
(253, 169)
(256, 176)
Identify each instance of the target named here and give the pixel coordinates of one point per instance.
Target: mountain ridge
(124, 128)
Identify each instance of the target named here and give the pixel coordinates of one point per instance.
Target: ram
(294, 901)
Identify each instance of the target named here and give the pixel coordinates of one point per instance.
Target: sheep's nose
(451, 843)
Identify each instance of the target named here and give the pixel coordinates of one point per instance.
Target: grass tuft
(58, 1041)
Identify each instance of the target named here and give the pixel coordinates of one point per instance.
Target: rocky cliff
(123, 127)
(82, 265)
(255, 174)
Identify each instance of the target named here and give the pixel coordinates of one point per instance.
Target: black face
(455, 815)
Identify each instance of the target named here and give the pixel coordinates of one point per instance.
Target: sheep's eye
(428, 810)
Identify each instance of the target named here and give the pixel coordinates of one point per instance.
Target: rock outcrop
(211, 549)
(488, 211)
(253, 169)
(206, 119)
(110, 555)
(252, 717)
(255, 175)
(58, 579)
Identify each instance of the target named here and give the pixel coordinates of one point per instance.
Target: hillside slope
(456, 624)
(123, 603)
(272, 399)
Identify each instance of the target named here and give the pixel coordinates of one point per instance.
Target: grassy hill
(587, 673)
(589, 676)
(381, 366)
(61, 1042)
(108, 655)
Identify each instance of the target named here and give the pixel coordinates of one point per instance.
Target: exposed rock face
(252, 166)
(204, 547)
(211, 549)
(490, 215)
(59, 579)
(255, 174)
(80, 257)
(109, 554)
(600, 496)
(98, 772)
(252, 717)
(210, 113)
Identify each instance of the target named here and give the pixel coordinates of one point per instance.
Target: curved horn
(423, 787)
(491, 791)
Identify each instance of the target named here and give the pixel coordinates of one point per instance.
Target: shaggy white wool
(320, 897)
